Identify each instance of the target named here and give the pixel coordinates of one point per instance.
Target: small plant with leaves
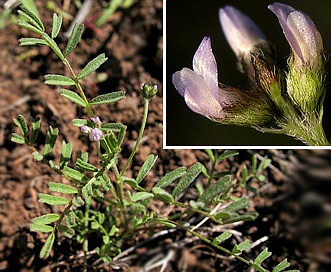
(101, 200)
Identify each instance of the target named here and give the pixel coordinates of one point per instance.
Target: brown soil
(132, 40)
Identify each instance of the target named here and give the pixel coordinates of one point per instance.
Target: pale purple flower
(204, 95)
(200, 86)
(85, 129)
(242, 34)
(96, 120)
(95, 135)
(300, 32)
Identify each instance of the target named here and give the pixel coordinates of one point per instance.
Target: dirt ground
(132, 40)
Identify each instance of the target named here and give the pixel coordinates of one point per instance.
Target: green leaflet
(73, 97)
(52, 44)
(141, 196)
(243, 217)
(52, 200)
(85, 166)
(58, 80)
(187, 179)
(215, 189)
(262, 256)
(221, 238)
(74, 38)
(29, 27)
(146, 167)
(238, 205)
(65, 154)
(92, 66)
(73, 173)
(227, 154)
(114, 127)
(17, 138)
(68, 232)
(171, 177)
(50, 140)
(162, 194)
(62, 188)
(31, 41)
(237, 249)
(32, 18)
(30, 5)
(281, 266)
(35, 129)
(46, 219)
(108, 98)
(46, 249)
(22, 125)
(41, 228)
(57, 23)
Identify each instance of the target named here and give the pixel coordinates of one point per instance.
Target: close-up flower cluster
(282, 100)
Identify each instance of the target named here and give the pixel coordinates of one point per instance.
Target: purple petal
(196, 93)
(240, 31)
(205, 65)
(95, 135)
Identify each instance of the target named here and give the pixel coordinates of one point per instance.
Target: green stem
(212, 168)
(142, 128)
(203, 238)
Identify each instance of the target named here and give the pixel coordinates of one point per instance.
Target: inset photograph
(247, 74)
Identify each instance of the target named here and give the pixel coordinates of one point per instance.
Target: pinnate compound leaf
(46, 249)
(31, 41)
(52, 200)
(108, 98)
(50, 140)
(58, 80)
(171, 177)
(92, 66)
(281, 266)
(22, 125)
(238, 205)
(237, 249)
(227, 154)
(17, 138)
(57, 23)
(215, 189)
(221, 238)
(146, 167)
(32, 18)
(62, 188)
(141, 196)
(73, 97)
(41, 228)
(35, 129)
(162, 194)
(74, 38)
(65, 154)
(262, 256)
(187, 179)
(46, 219)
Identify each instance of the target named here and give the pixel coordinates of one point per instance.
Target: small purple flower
(242, 34)
(96, 120)
(95, 135)
(300, 32)
(85, 129)
(221, 103)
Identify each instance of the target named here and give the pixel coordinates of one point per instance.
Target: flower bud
(148, 90)
(85, 129)
(242, 34)
(96, 120)
(95, 135)
(301, 33)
